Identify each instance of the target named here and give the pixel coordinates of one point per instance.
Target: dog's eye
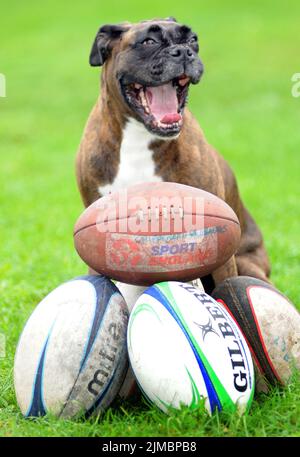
(193, 39)
(148, 41)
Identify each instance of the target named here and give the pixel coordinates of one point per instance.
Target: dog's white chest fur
(136, 163)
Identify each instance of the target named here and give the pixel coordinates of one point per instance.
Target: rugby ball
(72, 358)
(185, 348)
(154, 232)
(131, 294)
(270, 324)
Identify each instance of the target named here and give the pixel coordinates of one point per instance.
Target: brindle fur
(189, 159)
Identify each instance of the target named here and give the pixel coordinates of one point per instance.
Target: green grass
(244, 104)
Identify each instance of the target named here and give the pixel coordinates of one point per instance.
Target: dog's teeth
(167, 126)
(144, 101)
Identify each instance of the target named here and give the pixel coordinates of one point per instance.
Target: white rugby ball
(72, 355)
(131, 293)
(184, 346)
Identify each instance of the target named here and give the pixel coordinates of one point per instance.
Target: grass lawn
(244, 104)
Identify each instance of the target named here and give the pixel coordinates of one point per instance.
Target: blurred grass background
(244, 104)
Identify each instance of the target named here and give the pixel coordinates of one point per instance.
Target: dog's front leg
(227, 270)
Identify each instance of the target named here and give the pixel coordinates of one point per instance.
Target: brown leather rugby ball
(154, 232)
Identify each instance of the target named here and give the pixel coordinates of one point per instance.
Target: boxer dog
(140, 130)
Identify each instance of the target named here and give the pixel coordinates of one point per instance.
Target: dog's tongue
(163, 103)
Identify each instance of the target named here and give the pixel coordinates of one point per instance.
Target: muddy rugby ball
(154, 232)
(72, 358)
(185, 349)
(269, 322)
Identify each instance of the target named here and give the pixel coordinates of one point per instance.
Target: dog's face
(151, 65)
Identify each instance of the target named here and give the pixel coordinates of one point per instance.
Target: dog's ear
(104, 41)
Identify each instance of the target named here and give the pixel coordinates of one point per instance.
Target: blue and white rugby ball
(184, 347)
(72, 354)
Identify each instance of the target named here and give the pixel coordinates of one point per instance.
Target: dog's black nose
(181, 52)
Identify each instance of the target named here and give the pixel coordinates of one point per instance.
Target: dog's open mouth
(161, 107)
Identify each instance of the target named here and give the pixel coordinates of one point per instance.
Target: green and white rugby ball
(184, 347)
